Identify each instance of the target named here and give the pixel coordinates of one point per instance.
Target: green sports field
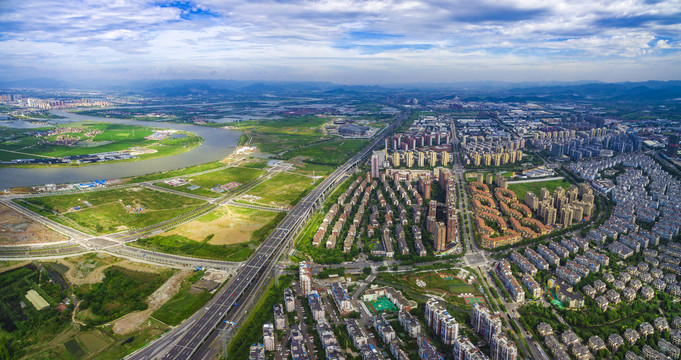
(522, 188)
(381, 305)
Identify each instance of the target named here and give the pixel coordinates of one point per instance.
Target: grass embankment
(178, 172)
(522, 188)
(184, 303)
(122, 291)
(181, 245)
(250, 331)
(113, 210)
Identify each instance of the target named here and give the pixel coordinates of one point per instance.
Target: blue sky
(344, 41)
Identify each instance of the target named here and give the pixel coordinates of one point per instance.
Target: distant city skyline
(346, 42)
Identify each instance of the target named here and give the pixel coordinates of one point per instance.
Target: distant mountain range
(528, 91)
(626, 91)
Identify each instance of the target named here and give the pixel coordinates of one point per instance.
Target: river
(217, 144)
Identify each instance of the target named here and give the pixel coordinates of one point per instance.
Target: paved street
(196, 338)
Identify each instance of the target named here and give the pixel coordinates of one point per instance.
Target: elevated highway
(184, 341)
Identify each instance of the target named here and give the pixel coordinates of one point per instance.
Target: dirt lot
(89, 269)
(210, 281)
(229, 225)
(17, 229)
(132, 321)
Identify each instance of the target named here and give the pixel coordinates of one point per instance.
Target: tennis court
(474, 300)
(381, 305)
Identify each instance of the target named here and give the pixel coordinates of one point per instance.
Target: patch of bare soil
(90, 269)
(231, 227)
(132, 321)
(16, 229)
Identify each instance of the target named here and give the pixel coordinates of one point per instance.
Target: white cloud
(344, 39)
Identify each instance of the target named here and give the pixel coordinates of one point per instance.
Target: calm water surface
(217, 144)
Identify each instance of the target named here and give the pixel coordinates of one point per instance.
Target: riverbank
(216, 145)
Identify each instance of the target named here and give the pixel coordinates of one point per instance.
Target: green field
(305, 125)
(184, 303)
(435, 281)
(282, 189)
(122, 291)
(332, 152)
(207, 181)
(275, 143)
(92, 138)
(180, 245)
(314, 169)
(277, 136)
(92, 341)
(108, 211)
(535, 187)
(435, 284)
(170, 147)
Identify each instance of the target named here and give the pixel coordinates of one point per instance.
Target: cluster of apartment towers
(481, 151)
(421, 150)
(483, 321)
(572, 205)
(418, 187)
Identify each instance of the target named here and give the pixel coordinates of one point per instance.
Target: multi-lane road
(80, 242)
(184, 341)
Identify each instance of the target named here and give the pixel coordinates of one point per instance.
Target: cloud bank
(344, 41)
